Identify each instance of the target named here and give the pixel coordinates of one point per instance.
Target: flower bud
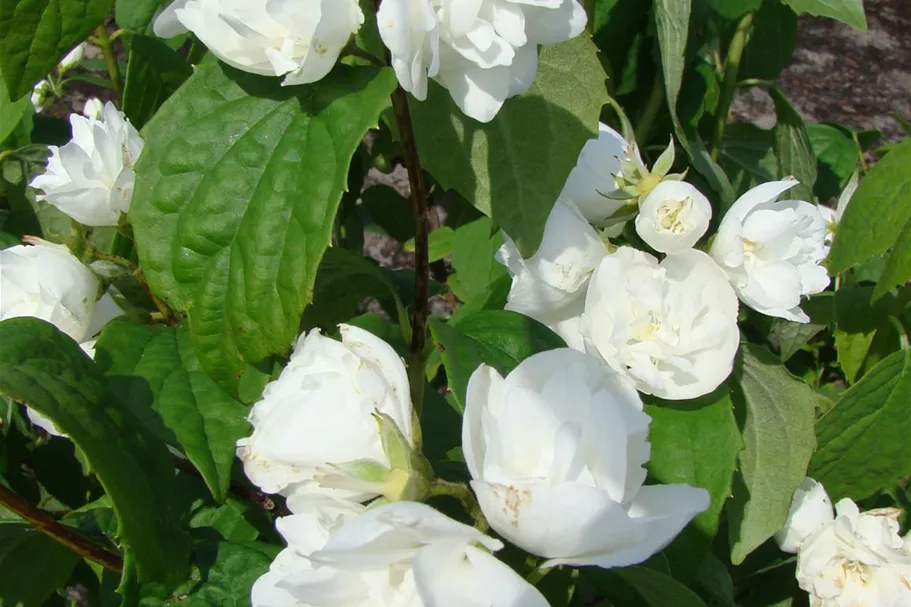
(673, 217)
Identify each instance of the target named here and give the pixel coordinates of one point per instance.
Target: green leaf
(36, 34)
(857, 323)
(846, 11)
(344, 280)
(32, 565)
(898, 266)
(45, 369)
(792, 147)
(776, 413)
(511, 172)
(473, 247)
(498, 338)
(792, 336)
(747, 155)
(836, 155)
(155, 371)
(658, 589)
(879, 211)
(236, 193)
(11, 112)
(439, 243)
(864, 437)
(672, 19)
(389, 211)
(772, 42)
(696, 442)
(227, 571)
(136, 15)
(154, 72)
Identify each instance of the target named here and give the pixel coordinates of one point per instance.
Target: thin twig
(461, 492)
(66, 536)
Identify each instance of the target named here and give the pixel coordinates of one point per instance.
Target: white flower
(673, 217)
(298, 39)
(93, 108)
(556, 451)
(41, 96)
(46, 281)
(316, 425)
(550, 286)
(482, 51)
(91, 178)
(72, 59)
(593, 177)
(403, 554)
(851, 558)
(670, 327)
(811, 509)
(772, 251)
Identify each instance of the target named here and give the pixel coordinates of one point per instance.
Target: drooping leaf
(864, 438)
(878, 212)
(36, 34)
(857, 323)
(734, 9)
(498, 338)
(747, 155)
(792, 147)
(511, 172)
(772, 42)
(847, 11)
(836, 155)
(776, 414)
(154, 72)
(696, 442)
(389, 211)
(672, 18)
(155, 371)
(45, 369)
(32, 565)
(236, 192)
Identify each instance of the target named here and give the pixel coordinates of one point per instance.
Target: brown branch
(67, 536)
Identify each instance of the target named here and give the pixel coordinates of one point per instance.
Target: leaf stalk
(729, 84)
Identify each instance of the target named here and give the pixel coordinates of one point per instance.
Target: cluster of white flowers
(556, 451)
(482, 51)
(46, 281)
(847, 558)
(670, 327)
(91, 177)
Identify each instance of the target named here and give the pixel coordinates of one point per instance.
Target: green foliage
(11, 112)
(45, 369)
(864, 438)
(696, 442)
(230, 224)
(776, 413)
(136, 15)
(848, 11)
(488, 163)
(32, 565)
(154, 72)
(36, 34)
(792, 147)
(155, 372)
(876, 220)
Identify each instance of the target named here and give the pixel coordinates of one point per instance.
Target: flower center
(669, 215)
(749, 246)
(856, 572)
